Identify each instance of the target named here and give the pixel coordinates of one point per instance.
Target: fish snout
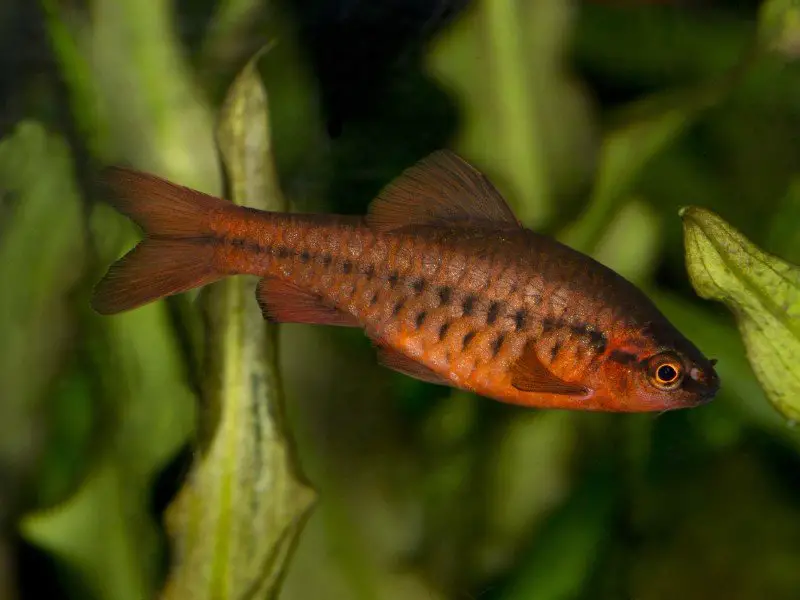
(705, 382)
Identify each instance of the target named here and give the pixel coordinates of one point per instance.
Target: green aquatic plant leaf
(235, 521)
(133, 99)
(42, 253)
(762, 291)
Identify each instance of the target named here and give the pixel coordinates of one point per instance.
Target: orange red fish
(439, 274)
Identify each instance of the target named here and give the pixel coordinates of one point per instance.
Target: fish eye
(666, 371)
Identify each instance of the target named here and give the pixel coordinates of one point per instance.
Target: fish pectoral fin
(401, 363)
(441, 189)
(529, 375)
(283, 302)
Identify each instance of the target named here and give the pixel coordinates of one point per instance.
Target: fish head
(659, 373)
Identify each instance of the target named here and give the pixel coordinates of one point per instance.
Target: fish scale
(440, 276)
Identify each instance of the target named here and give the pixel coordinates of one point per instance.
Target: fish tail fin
(177, 253)
(161, 208)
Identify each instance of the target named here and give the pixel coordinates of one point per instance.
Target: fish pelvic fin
(529, 375)
(283, 302)
(177, 253)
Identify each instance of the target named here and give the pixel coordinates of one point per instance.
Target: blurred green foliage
(597, 122)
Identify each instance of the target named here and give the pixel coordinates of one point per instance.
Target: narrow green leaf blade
(237, 518)
(763, 292)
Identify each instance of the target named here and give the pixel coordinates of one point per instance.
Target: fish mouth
(707, 395)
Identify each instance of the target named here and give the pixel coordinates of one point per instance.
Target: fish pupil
(667, 373)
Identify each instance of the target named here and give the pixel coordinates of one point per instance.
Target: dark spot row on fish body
(305, 256)
(420, 320)
(467, 339)
(443, 330)
(398, 306)
(520, 318)
(556, 348)
(492, 313)
(497, 344)
(374, 299)
(418, 285)
(468, 305)
(445, 294)
(347, 267)
(597, 339)
(549, 325)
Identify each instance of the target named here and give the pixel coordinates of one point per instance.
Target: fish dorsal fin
(401, 363)
(282, 302)
(529, 375)
(441, 189)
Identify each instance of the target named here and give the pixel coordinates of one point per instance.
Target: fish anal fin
(529, 375)
(392, 359)
(154, 269)
(283, 302)
(441, 189)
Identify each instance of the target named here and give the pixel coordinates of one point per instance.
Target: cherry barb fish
(440, 275)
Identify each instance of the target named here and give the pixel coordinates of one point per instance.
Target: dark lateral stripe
(621, 357)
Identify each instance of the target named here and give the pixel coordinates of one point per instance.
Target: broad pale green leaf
(236, 520)
(763, 292)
